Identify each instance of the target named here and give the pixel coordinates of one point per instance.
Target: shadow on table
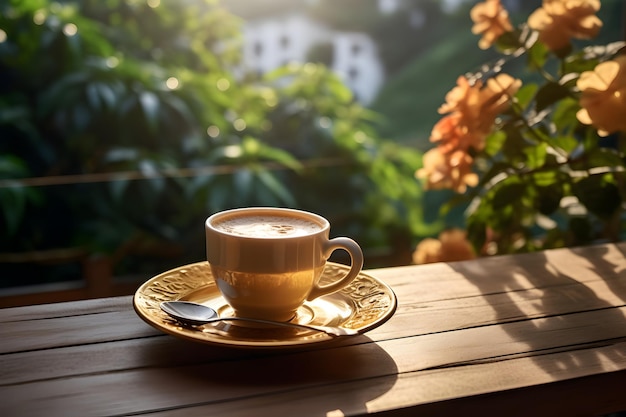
(554, 292)
(222, 380)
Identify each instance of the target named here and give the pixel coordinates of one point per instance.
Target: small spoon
(198, 314)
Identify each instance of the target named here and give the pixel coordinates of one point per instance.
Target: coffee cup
(266, 262)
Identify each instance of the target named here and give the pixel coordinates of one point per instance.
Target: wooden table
(533, 334)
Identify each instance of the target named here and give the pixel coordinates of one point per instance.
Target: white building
(355, 59)
(274, 41)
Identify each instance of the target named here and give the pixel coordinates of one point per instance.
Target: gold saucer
(363, 305)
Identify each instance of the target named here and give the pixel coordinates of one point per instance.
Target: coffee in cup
(267, 262)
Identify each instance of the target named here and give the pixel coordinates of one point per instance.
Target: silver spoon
(198, 314)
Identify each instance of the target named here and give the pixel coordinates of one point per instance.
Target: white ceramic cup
(267, 262)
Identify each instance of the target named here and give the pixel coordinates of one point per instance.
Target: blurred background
(125, 123)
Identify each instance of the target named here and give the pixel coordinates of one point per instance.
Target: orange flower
(452, 133)
(473, 109)
(496, 96)
(471, 112)
(558, 21)
(451, 246)
(491, 20)
(603, 98)
(461, 98)
(428, 251)
(447, 170)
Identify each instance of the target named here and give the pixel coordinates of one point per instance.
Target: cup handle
(356, 264)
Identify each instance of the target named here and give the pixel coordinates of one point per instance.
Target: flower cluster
(557, 22)
(529, 155)
(560, 21)
(451, 245)
(491, 20)
(471, 110)
(603, 96)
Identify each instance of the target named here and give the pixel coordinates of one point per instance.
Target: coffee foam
(260, 226)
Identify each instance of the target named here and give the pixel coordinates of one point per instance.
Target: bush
(124, 127)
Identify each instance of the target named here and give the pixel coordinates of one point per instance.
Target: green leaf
(81, 117)
(339, 90)
(282, 157)
(220, 195)
(581, 228)
(243, 182)
(118, 188)
(599, 194)
(549, 94)
(494, 142)
(62, 93)
(495, 170)
(275, 186)
(509, 42)
(564, 116)
(526, 94)
(605, 157)
(549, 198)
(93, 96)
(513, 147)
(508, 192)
(101, 95)
(588, 57)
(537, 55)
(150, 169)
(566, 143)
(150, 105)
(181, 107)
(13, 201)
(12, 167)
(535, 155)
(546, 178)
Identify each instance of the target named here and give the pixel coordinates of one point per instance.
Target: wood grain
(534, 334)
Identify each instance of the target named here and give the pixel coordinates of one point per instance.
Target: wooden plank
(413, 395)
(65, 309)
(94, 321)
(507, 273)
(43, 295)
(72, 330)
(68, 324)
(424, 352)
(169, 375)
(434, 282)
(319, 384)
(82, 366)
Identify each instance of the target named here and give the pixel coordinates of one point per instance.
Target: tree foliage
(134, 110)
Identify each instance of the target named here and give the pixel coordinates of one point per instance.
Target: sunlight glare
(213, 131)
(70, 29)
(153, 3)
(112, 62)
(239, 125)
(223, 84)
(360, 137)
(232, 151)
(39, 17)
(3, 36)
(270, 97)
(172, 83)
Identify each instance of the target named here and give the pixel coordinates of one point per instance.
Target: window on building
(284, 42)
(258, 48)
(356, 49)
(353, 73)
